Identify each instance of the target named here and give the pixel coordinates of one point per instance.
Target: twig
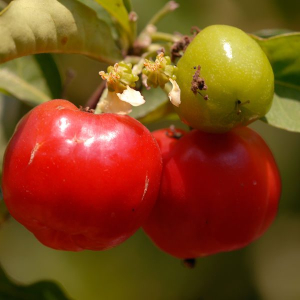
(166, 37)
(169, 7)
(93, 100)
(70, 75)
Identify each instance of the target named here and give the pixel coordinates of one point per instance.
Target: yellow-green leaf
(65, 26)
(284, 114)
(118, 10)
(27, 80)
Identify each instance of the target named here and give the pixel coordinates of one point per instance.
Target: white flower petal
(131, 96)
(174, 95)
(112, 104)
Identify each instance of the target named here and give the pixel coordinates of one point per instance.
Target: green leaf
(102, 14)
(50, 73)
(11, 111)
(128, 5)
(65, 26)
(118, 10)
(25, 79)
(164, 112)
(267, 33)
(3, 4)
(283, 52)
(157, 107)
(284, 114)
(43, 290)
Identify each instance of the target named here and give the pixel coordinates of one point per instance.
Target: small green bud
(119, 76)
(160, 71)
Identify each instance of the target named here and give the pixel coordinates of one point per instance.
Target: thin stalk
(169, 7)
(93, 100)
(166, 37)
(133, 17)
(146, 34)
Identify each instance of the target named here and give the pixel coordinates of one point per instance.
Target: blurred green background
(268, 269)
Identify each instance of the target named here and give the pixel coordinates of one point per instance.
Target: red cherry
(79, 180)
(219, 192)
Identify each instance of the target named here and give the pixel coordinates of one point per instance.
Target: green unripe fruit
(238, 79)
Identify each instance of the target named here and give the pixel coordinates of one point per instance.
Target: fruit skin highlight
(219, 192)
(78, 180)
(238, 76)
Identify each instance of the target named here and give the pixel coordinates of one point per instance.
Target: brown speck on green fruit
(238, 105)
(198, 83)
(179, 47)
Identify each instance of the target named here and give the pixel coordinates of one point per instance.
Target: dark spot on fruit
(133, 210)
(173, 133)
(189, 263)
(239, 104)
(86, 109)
(64, 40)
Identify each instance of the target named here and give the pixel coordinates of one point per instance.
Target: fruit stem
(70, 75)
(166, 37)
(133, 17)
(144, 39)
(169, 7)
(94, 98)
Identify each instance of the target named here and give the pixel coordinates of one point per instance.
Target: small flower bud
(119, 76)
(160, 71)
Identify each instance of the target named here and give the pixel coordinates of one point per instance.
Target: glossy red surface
(219, 192)
(78, 180)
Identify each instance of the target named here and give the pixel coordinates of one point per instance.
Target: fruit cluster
(80, 180)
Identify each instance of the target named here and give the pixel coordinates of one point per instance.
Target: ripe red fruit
(219, 192)
(79, 180)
